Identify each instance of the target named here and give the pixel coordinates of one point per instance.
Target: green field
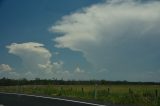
(145, 95)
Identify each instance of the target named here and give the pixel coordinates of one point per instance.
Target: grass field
(145, 95)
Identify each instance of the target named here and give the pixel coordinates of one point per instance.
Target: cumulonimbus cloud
(121, 36)
(37, 63)
(31, 52)
(36, 59)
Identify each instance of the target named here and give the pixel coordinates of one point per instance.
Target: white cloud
(36, 60)
(7, 71)
(118, 36)
(81, 74)
(13, 75)
(78, 70)
(37, 63)
(5, 68)
(31, 53)
(56, 53)
(51, 66)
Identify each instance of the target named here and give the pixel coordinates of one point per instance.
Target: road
(13, 99)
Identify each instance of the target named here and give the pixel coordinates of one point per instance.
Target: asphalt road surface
(13, 99)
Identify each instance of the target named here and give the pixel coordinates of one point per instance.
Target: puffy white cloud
(78, 70)
(5, 68)
(51, 66)
(31, 53)
(120, 36)
(81, 74)
(13, 75)
(36, 60)
(37, 63)
(7, 71)
(29, 75)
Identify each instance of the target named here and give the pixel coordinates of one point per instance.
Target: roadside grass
(144, 95)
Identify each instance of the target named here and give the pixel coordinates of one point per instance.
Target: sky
(80, 39)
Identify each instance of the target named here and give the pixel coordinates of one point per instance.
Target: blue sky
(80, 39)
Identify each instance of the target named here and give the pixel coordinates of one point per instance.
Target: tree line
(37, 81)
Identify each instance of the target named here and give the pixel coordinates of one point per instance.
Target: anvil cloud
(119, 36)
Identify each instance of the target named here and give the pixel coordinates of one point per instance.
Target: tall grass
(147, 95)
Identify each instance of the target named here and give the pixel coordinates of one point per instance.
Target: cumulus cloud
(81, 74)
(5, 68)
(7, 71)
(13, 75)
(120, 36)
(37, 63)
(31, 53)
(36, 60)
(78, 70)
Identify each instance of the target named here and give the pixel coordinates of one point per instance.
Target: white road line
(55, 99)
